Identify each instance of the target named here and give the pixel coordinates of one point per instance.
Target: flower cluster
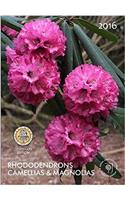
(33, 73)
(9, 31)
(70, 138)
(32, 81)
(90, 90)
(41, 37)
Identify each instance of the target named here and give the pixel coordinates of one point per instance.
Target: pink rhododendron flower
(41, 37)
(90, 90)
(12, 56)
(9, 31)
(33, 81)
(70, 138)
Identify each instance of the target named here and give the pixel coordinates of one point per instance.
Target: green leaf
(119, 110)
(6, 40)
(110, 36)
(110, 63)
(104, 131)
(54, 106)
(3, 45)
(117, 118)
(77, 53)
(68, 58)
(90, 167)
(4, 85)
(54, 18)
(51, 108)
(18, 19)
(77, 176)
(4, 65)
(115, 68)
(8, 21)
(3, 55)
(106, 167)
(94, 53)
(60, 102)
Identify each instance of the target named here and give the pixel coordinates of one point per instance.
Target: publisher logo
(108, 167)
(23, 135)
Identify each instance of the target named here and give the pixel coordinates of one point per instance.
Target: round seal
(23, 135)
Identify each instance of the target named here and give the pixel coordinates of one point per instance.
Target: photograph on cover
(62, 100)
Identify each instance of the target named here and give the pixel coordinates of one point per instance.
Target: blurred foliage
(4, 86)
(114, 51)
(117, 119)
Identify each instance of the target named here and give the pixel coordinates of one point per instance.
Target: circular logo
(108, 167)
(23, 135)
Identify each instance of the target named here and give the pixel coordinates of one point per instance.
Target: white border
(62, 7)
(62, 192)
